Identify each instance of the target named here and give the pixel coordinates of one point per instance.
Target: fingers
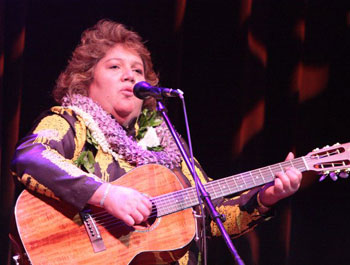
(294, 177)
(128, 205)
(145, 210)
(278, 184)
(290, 156)
(146, 201)
(128, 220)
(137, 217)
(287, 182)
(139, 208)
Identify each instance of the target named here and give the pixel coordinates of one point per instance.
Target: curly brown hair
(95, 42)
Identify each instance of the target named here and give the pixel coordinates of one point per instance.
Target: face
(114, 78)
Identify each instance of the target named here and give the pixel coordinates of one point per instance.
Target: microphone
(144, 90)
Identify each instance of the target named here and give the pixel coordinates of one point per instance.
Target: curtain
(261, 78)
(11, 71)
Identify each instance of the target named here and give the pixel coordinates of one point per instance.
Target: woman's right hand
(124, 203)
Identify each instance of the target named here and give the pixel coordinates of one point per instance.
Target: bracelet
(105, 194)
(260, 205)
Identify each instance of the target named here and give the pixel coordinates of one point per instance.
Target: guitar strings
(181, 199)
(175, 201)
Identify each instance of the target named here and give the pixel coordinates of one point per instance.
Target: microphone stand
(204, 194)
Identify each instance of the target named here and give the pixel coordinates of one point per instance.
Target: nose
(128, 75)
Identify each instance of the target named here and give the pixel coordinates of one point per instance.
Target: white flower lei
(113, 139)
(95, 131)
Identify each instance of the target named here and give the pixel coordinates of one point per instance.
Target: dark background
(227, 56)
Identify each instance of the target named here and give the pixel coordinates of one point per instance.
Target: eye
(139, 71)
(114, 67)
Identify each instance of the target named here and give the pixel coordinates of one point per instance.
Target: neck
(125, 119)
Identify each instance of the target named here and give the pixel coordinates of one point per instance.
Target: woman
(98, 133)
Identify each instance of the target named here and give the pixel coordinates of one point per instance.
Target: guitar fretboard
(186, 198)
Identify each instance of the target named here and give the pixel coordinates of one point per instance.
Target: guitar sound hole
(150, 221)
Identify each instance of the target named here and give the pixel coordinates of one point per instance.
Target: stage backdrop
(261, 78)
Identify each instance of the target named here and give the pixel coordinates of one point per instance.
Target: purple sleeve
(43, 162)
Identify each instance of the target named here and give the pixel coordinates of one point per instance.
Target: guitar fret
(252, 178)
(272, 173)
(186, 198)
(221, 188)
(299, 163)
(226, 187)
(216, 191)
(304, 162)
(245, 183)
(277, 168)
(222, 192)
(291, 163)
(212, 188)
(233, 183)
(280, 164)
(261, 174)
(272, 170)
(257, 178)
(239, 180)
(247, 179)
(167, 203)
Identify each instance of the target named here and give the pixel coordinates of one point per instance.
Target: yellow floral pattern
(188, 174)
(237, 221)
(32, 184)
(80, 139)
(184, 259)
(64, 164)
(51, 128)
(125, 165)
(104, 160)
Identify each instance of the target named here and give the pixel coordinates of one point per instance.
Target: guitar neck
(186, 198)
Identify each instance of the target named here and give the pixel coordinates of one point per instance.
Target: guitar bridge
(93, 232)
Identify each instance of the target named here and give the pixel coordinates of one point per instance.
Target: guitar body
(52, 232)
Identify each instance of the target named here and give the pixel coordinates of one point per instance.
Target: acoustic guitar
(53, 232)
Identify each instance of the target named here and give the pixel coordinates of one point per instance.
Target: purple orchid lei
(122, 144)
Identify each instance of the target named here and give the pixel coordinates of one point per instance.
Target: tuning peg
(333, 176)
(316, 149)
(326, 146)
(336, 144)
(344, 175)
(322, 178)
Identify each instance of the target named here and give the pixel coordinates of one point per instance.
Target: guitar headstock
(332, 161)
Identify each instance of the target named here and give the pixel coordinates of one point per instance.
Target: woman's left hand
(285, 184)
